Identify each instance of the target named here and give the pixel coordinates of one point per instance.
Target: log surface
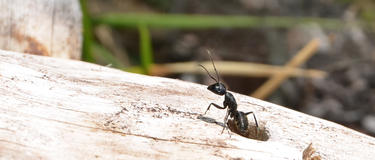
(63, 109)
(42, 27)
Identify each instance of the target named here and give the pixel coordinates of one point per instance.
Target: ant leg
(225, 122)
(256, 122)
(215, 105)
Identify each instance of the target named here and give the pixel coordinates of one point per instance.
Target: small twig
(275, 81)
(235, 68)
(307, 154)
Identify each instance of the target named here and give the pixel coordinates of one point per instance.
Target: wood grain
(63, 109)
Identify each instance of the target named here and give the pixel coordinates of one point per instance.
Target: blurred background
(331, 43)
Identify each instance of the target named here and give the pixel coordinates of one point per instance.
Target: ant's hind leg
(215, 105)
(256, 122)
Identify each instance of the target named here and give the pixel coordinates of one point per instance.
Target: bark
(63, 109)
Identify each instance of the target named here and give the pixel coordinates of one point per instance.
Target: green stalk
(145, 47)
(209, 21)
(87, 34)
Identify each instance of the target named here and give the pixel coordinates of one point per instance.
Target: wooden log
(63, 109)
(41, 27)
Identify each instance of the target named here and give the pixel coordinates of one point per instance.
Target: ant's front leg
(215, 105)
(225, 121)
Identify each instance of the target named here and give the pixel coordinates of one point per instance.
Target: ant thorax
(230, 101)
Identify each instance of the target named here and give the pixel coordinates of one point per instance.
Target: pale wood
(42, 27)
(234, 68)
(62, 109)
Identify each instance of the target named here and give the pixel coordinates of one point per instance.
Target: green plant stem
(145, 47)
(87, 34)
(207, 21)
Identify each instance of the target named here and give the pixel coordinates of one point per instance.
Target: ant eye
(218, 87)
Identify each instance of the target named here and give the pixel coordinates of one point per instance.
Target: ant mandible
(239, 117)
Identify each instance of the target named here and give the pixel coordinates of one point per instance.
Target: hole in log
(252, 131)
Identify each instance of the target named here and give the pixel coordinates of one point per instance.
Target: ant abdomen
(241, 122)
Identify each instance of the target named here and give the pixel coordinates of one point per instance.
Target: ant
(240, 118)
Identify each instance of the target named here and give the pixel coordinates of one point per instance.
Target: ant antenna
(208, 73)
(217, 74)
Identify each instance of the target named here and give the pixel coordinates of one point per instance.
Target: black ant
(239, 117)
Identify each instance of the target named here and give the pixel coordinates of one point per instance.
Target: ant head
(217, 88)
